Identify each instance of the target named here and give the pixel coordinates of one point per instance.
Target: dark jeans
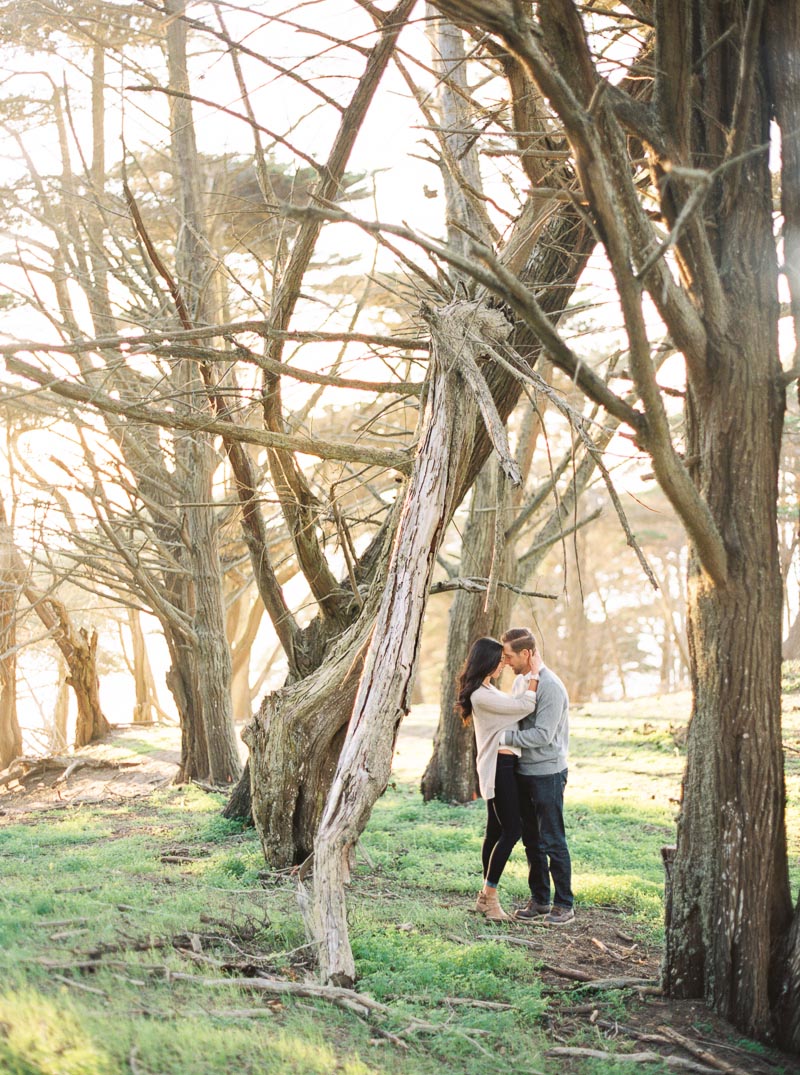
(503, 825)
(541, 800)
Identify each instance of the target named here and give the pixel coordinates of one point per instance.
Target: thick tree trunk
(295, 737)
(294, 743)
(297, 734)
(730, 897)
(384, 690)
(194, 298)
(731, 910)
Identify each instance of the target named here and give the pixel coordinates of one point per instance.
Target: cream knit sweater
(492, 713)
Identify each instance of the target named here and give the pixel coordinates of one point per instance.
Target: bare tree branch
(101, 401)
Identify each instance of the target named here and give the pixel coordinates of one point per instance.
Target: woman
(492, 712)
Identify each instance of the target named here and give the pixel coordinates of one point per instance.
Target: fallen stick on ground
(568, 972)
(616, 983)
(701, 1053)
(77, 764)
(634, 1058)
(349, 999)
(346, 998)
(491, 1005)
(508, 938)
(58, 923)
(79, 985)
(640, 1035)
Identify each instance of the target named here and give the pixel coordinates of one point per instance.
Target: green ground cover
(104, 906)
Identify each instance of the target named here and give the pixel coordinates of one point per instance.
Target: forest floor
(589, 989)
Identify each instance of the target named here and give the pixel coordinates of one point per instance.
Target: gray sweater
(543, 735)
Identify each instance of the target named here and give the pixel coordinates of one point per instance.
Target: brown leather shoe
(531, 911)
(488, 904)
(560, 916)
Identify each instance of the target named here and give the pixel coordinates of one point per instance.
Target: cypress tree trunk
(297, 734)
(295, 740)
(730, 908)
(208, 680)
(730, 895)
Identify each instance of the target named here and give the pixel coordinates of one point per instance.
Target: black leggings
(503, 824)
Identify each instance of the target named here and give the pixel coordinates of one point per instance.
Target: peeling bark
(389, 665)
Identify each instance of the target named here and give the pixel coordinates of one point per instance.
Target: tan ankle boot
(488, 904)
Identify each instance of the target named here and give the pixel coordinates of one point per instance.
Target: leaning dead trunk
(389, 666)
(553, 264)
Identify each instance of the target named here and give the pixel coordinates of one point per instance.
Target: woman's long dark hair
(484, 656)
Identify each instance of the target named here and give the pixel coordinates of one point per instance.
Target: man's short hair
(519, 638)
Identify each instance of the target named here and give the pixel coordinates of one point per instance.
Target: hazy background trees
(98, 229)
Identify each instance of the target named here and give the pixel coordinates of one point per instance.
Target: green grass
(88, 885)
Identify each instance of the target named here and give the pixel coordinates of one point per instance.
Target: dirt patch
(130, 763)
(597, 945)
(134, 760)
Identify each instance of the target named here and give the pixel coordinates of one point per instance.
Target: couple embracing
(522, 741)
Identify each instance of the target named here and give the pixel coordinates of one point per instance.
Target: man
(541, 778)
